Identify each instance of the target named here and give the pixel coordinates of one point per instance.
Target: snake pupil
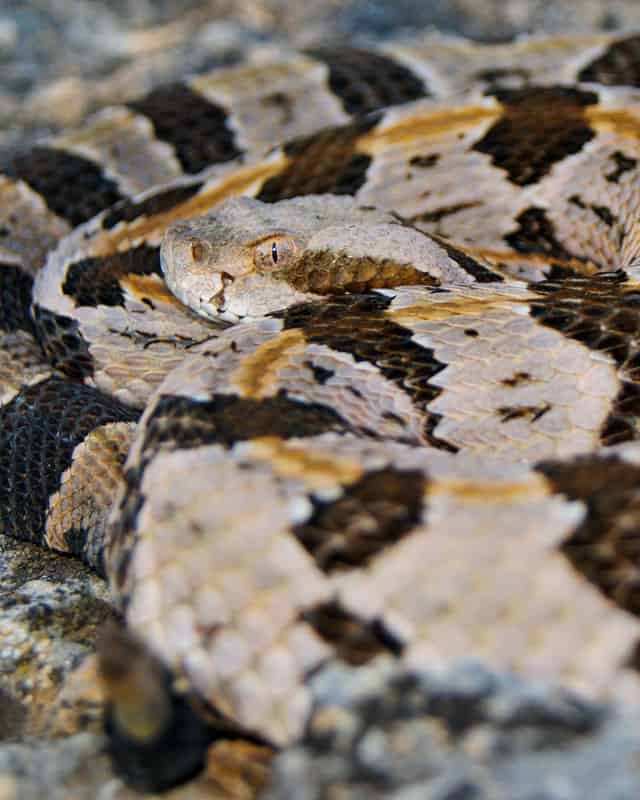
(274, 253)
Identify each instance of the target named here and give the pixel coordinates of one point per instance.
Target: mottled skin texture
(391, 404)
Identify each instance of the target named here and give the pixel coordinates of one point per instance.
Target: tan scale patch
(125, 144)
(486, 405)
(488, 581)
(448, 122)
(221, 602)
(258, 372)
(477, 491)
(287, 97)
(592, 215)
(477, 210)
(88, 486)
(33, 229)
(480, 576)
(149, 287)
(295, 460)
(622, 122)
(458, 306)
(372, 402)
(439, 587)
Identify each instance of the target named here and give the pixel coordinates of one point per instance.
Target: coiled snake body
(390, 382)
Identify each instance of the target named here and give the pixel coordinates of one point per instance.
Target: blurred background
(62, 59)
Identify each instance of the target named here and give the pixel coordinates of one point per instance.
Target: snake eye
(276, 252)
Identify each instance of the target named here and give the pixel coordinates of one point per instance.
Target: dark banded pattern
(196, 128)
(604, 315)
(356, 641)
(618, 65)
(15, 299)
(73, 187)
(157, 203)
(372, 515)
(365, 80)
(605, 547)
(327, 162)
(539, 128)
(97, 281)
(357, 324)
(39, 431)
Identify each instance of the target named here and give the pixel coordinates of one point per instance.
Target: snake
(334, 355)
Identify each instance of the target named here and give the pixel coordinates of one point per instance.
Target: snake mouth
(218, 299)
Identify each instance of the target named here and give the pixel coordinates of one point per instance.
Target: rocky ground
(467, 735)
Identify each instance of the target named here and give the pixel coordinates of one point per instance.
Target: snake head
(248, 258)
(235, 262)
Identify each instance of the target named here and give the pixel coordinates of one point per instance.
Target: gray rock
(51, 609)
(75, 767)
(466, 734)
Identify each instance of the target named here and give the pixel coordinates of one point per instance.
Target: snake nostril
(197, 251)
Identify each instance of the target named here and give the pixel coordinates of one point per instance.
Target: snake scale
(336, 355)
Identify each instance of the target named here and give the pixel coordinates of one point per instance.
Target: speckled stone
(466, 734)
(50, 609)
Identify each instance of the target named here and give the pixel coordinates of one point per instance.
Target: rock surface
(467, 734)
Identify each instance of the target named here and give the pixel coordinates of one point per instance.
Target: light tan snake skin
(399, 419)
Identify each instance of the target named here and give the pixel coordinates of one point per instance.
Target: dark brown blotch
(196, 128)
(474, 268)
(366, 81)
(622, 164)
(532, 413)
(619, 65)
(535, 234)
(73, 187)
(623, 422)
(95, 281)
(438, 214)
(320, 374)
(517, 379)
(355, 641)
(538, 128)
(424, 162)
(324, 163)
(184, 423)
(605, 214)
(372, 514)
(602, 212)
(605, 546)
(357, 324)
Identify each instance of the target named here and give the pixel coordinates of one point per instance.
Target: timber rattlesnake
(406, 411)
